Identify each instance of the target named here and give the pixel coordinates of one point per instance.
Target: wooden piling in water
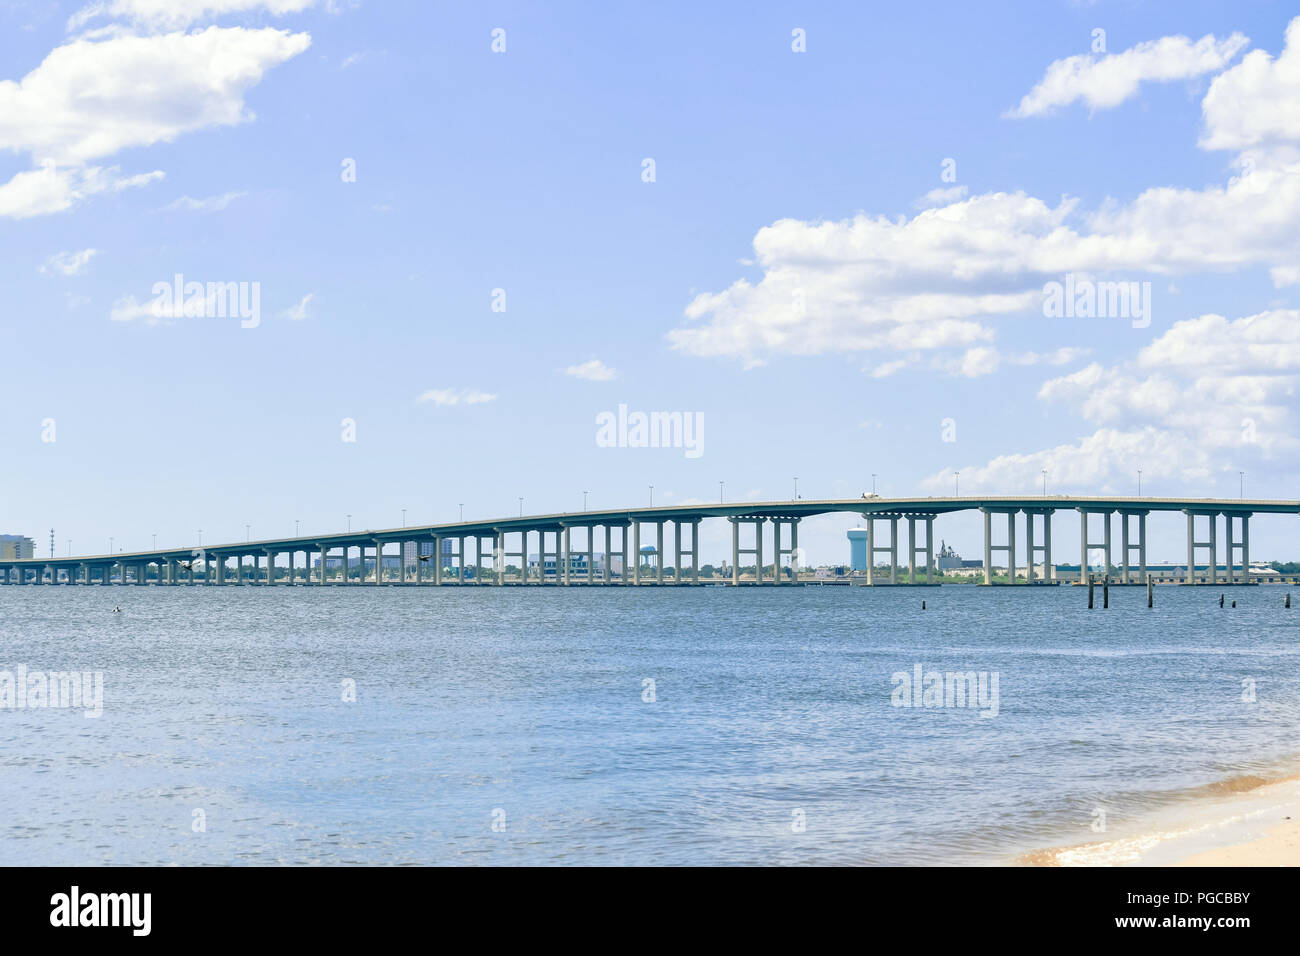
(1105, 592)
(1150, 593)
(1091, 582)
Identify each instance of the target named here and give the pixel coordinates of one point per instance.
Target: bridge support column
(735, 552)
(677, 552)
(1127, 547)
(609, 558)
(1214, 549)
(776, 551)
(1245, 549)
(591, 555)
(758, 551)
(659, 552)
(568, 552)
(988, 546)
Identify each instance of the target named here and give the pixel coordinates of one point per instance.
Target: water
(529, 703)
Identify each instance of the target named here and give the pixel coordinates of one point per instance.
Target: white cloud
(89, 99)
(68, 263)
(973, 363)
(1258, 100)
(301, 310)
(179, 14)
(207, 204)
(934, 281)
(456, 396)
(593, 371)
(153, 312)
(39, 192)
(1106, 81)
(942, 196)
(1193, 403)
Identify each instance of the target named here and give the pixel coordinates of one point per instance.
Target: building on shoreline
(16, 547)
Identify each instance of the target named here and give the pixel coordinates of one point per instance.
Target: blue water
(528, 704)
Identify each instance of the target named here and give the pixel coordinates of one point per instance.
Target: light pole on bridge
(873, 482)
(349, 524)
(796, 487)
(462, 512)
(1044, 482)
(1139, 482)
(1241, 484)
(956, 484)
(720, 492)
(652, 496)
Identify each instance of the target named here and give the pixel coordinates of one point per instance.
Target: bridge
(453, 562)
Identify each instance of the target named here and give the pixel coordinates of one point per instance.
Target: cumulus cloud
(593, 371)
(40, 192)
(91, 98)
(68, 263)
(1108, 80)
(1188, 405)
(936, 281)
(1258, 100)
(455, 396)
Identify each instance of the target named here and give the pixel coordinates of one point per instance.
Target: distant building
(16, 547)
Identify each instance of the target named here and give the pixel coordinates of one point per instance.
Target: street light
(796, 487)
(155, 543)
(1241, 484)
(295, 527)
(873, 482)
(720, 492)
(1139, 482)
(956, 484)
(462, 512)
(521, 507)
(584, 501)
(248, 534)
(349, 524)
(200, 537)
(1044, 482)
(403, 517)
(110, 543)
(652, 496)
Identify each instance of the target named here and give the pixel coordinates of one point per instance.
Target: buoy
(922, 605)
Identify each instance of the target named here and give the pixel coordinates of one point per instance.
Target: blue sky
(209, 138)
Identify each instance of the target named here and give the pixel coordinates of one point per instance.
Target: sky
(826, 233)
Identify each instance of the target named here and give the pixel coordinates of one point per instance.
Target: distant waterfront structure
(16, 547)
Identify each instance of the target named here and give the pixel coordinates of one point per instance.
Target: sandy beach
(1259, 826)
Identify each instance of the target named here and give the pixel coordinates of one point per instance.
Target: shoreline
(1257, 826)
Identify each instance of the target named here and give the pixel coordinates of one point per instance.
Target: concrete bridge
(454, 562)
